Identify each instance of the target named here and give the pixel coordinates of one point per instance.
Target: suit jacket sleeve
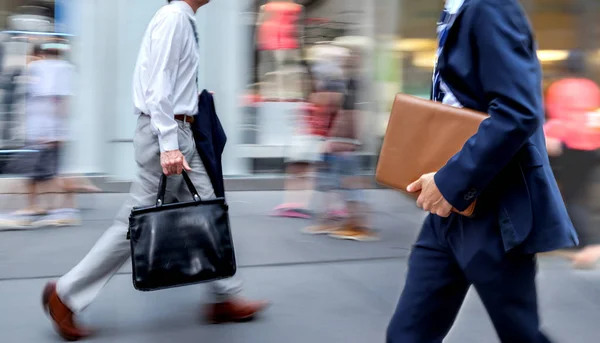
(510, 79)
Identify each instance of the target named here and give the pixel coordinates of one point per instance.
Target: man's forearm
(166, 130)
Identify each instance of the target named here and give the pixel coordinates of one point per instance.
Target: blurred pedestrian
(305, 149)
(573, 141)
(327, 103)
(339, 172)
(165, 94)
(302, 155)
(486, 61)
(49, 88)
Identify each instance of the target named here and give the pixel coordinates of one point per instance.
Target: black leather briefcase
(180, 244)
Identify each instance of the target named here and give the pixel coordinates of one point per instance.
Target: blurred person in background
(327, 101)
(305, 152)
(344, 144)
(340, 167)
(165, 94)
(573, 139)
(49, 88)
(486, 61)
(302, 154)
(280, 46)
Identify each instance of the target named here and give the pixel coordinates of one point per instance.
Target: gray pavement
(322, 290)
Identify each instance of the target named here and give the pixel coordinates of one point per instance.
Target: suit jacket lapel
(451, 33)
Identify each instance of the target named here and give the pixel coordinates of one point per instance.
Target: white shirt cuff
(168, 141)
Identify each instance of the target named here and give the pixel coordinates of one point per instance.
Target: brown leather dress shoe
(62, 317)
(234, 310)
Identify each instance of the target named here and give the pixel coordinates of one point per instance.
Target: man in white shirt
(165, 94)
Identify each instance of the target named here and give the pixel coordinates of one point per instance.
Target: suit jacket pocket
(517, 196)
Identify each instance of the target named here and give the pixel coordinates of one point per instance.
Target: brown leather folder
(421, 137)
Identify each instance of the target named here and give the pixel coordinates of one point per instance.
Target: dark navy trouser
(450, 255)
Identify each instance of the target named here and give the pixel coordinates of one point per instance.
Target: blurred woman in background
(573, 141)
(339, 171)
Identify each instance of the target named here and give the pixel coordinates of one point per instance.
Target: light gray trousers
(80, 286)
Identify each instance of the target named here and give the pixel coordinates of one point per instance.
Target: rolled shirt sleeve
(166, 51)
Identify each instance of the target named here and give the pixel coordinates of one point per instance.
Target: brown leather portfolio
(421, 137)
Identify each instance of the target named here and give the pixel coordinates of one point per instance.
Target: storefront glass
(406, 41)
(282, 76)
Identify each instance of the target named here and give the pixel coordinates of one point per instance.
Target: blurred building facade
(398, 38)
(406, 41)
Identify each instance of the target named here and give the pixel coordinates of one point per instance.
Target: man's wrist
(448, 189)
(168, 141)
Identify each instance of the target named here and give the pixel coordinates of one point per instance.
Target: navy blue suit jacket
(210, 140)
(490, 64)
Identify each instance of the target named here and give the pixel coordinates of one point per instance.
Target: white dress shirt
(164, 82)
(452, 7)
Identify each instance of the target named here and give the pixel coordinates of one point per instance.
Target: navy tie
(444, 25)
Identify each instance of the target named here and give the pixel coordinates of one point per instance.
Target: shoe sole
(291, 214)
(307, 231)
(232, 320)
(221, 320)
(56, 223)
(8, 224)
(286, 207)
(356, 239)
(316, 233)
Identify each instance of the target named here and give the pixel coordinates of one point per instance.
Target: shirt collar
(452, 6)
(184, 7)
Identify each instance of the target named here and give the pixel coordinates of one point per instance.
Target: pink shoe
(288, 206)
(292, 213)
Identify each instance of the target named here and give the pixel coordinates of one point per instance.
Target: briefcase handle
(162, 188)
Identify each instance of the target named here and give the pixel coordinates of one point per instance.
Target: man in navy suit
(486, 61)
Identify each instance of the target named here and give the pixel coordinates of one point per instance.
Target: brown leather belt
(184, 118)
(180, 117)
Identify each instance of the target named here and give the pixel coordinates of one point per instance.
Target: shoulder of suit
(490, 7)
(491, 2)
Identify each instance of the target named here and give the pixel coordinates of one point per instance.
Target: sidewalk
(323, 290)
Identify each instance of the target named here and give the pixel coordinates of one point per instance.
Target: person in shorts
(339, 175)
(48, 92)
(304, 152)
